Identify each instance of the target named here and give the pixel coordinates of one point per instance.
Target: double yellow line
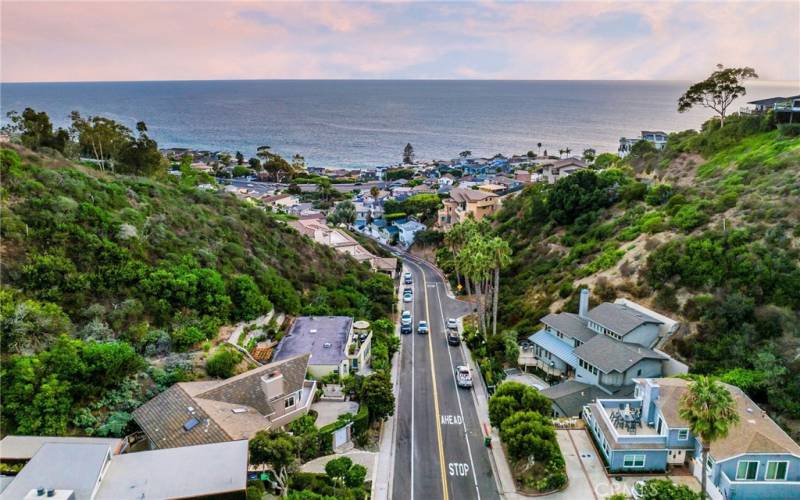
(435, 392)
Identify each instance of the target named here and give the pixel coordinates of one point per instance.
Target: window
(683, 434)
(710, 462)
(289, 402)
(746, 470)
(633, 461)
(776, 471)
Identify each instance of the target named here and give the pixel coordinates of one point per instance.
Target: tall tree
(239, 158)
(35, 130)
(101, 137)
(539, 148)
(710, 410)
(344, 213)
(277, 450)
(501, 256)
(718, 91)
(408, 153)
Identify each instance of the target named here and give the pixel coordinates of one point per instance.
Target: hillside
(706, 231)
(106, 277)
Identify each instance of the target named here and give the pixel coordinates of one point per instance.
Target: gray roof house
(599, 352)
(335, 343)
(93, 469)
(193, 413)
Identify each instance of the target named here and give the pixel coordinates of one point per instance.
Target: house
(494, 188)
(523, 176)
(605, 348)
(786, 109)
(203, 412)
(94, 469)
(314, 227)
(281, 202)
(446, 180)
(465, 203)
(562, 168)
(335, 343)
(646, 433)
(656, 138)
(408, 231)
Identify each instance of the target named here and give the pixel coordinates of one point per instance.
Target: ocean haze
(360, 123)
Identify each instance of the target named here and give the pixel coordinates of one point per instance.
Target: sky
(183, 40)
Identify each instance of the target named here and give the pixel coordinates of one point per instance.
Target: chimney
(583, 307)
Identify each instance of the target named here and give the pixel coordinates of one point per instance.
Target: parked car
(452, 324)
(422, 327)
(407, 278)
(452, 337)
(407, 297)
(463, 377)
(405, 318)
(406, 329)
(408, 289)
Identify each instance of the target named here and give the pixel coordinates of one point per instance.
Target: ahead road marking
(452, 420)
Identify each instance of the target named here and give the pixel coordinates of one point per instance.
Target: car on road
(452, 337)
(407, 278)
(407, 297)
(406, 329)
(452, 324)
(405, 318)
(463, 376)
(422, 327)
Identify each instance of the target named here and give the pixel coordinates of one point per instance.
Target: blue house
(645, 433)
(602, 350)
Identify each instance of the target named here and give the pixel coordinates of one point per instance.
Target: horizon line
(192, 80)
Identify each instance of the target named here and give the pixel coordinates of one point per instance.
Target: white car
(463, 377)
(406, 297)
(452, 324)
(407, 278)
(405, 318)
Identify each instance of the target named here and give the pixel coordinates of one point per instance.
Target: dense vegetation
(119, 268)
(705, 231)
(523, 416)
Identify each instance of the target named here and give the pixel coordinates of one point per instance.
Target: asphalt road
(264, 187)
(439, 450)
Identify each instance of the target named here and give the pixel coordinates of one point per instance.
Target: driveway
(329, 411)
(366, 458)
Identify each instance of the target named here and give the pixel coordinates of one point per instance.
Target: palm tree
(567, 151)
(539, 147)
(710, 410)
(560, 153)
(501, 255)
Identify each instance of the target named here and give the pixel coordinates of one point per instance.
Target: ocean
(361, 123)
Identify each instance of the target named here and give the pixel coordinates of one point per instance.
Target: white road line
(412, 399)
(458, 397)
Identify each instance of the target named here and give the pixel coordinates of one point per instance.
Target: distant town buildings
(464, 203)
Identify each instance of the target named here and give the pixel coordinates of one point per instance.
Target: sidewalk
(383, 472)
(500, 468)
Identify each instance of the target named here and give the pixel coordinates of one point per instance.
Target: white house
(408, 231)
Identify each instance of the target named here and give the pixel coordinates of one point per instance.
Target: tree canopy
(718, 91)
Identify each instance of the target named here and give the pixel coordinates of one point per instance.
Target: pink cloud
(68, 41)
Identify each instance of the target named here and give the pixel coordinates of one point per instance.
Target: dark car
(404, 329)
(453, 338)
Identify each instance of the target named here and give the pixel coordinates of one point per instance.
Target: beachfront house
(215, 411)
(645, 433)
(786, 109)
(336, 344)
(656, 138)
(602, 350)
(81, 468)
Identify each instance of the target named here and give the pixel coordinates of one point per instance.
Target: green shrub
(223, 362)
(689, 217)
(789, 130)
